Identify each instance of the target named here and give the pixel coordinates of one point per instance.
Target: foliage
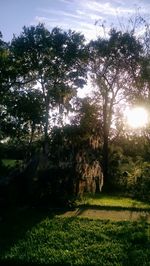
(66, 142)
(131, 175)
(87, 115)
(112, 62)
(4, 80)
(40, 74)
(23, 115)
(142, 185)
(73, 153)
(54, 61)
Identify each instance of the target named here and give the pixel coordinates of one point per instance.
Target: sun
(136, 117)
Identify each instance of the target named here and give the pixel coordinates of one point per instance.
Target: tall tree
(52, 61)
(113, 64)
(5, 67)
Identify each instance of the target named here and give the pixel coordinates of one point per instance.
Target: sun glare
(137, 117)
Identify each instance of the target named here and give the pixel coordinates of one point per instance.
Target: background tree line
(40, 73)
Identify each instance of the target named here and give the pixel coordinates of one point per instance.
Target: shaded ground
(114, 215)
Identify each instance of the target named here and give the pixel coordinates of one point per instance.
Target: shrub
(142, 185)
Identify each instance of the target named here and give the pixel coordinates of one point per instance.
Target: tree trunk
(46, 119)
(105, 163)
(45, 146)
(28, 155)
(105, 142)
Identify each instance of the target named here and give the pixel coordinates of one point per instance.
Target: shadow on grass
(17, 263)
(18, 222)
(131, 239)
(113, 208)
(15, 224)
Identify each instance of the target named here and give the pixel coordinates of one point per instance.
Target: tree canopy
(52, 61)
(41, 72)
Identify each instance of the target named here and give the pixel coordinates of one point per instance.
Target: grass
(112, 202)
(33, 237)
(38, 237)
(10, 162)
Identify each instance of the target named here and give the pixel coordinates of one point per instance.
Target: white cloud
(81, 15)
(104, 8)
(88, 29)
(65, 1)
(60, 13)
(107, 8)
(51, 22)
(95, 17)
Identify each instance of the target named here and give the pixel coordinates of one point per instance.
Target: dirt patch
(109, 214)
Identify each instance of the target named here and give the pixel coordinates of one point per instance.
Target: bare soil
(114, 215)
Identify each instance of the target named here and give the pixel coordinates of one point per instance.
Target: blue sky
(79, 15)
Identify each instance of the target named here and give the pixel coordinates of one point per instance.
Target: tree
(86, 115)
(113, 65)
(21, 110)
(24, 115)
(4, 79)
(52, 61)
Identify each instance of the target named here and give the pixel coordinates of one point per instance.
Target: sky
(84, 16)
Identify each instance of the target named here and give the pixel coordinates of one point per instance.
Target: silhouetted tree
(113, 65)
(52, 61)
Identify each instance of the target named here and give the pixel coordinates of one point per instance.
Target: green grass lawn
(102, 200)
(83, 242)
(75, 241)
(33, 237)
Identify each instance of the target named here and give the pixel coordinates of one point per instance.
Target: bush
(133, 177)
(130, 175)
(142, 185)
